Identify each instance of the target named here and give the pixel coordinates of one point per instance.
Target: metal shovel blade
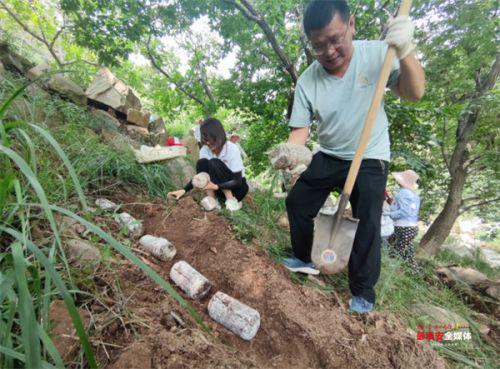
(333, 239)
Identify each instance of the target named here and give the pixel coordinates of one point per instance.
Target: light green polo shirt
(340, 105)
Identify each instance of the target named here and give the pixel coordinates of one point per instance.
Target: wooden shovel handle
(404, 9)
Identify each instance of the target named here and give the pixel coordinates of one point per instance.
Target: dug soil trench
(301, 327)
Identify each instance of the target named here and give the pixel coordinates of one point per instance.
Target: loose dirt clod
(301, 327)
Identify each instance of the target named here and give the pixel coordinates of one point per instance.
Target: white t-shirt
(229, 155)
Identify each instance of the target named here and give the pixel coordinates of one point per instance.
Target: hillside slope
(301, 327)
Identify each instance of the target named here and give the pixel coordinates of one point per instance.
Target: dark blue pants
(325, 174)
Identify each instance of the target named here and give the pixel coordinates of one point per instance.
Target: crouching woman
(222, 160)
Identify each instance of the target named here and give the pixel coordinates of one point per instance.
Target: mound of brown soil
(301, 327)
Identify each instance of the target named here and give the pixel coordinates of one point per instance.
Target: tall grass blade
(6, 323)
(27, 319)
(31, 148)
(45, 298)
(458, 357)
(3, 134)
(6, 185)
(68, 300)
(66, 162)
(50, 347)
(21, 357)
(35, 184)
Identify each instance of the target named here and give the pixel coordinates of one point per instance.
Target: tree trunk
(442, 225)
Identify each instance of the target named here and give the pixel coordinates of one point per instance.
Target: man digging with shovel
(336, 91)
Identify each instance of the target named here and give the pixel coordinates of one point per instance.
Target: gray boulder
(12, 61)
(59, 83)
(81, 252)
(157, 126)
(134, 227)
(490, 257)
(110, 91)
(138, 117)
(453, 276)
(65, 87)
(462, 249)
(494, 291)
(180, 170)
(106, 116)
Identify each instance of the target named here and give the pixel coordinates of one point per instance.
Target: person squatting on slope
(222, 160)
(336, 91)
(404, 211)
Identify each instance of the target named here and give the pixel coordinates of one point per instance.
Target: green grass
(397, 289)
(28, 275)
(46, 167)
(446, 257)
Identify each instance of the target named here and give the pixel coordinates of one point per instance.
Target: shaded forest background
(449, 137)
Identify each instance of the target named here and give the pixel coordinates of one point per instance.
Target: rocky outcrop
(110, 91)
(474, 287)
(136, 132)
(157, 126)
(59, 83)
(180, 170)
(138, 117)
(65, 87)
(106, 116)
(457, 276)
(13, 61)
(490, 257)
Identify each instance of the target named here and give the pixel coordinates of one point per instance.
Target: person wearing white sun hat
(404, 212)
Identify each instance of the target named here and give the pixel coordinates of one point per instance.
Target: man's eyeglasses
(334, 42)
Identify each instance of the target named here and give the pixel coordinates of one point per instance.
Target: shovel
(334, 234)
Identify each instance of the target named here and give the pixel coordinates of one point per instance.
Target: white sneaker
(209, 203)
(233, 204)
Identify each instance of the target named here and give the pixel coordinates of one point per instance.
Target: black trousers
(220, 173)
(324, 174)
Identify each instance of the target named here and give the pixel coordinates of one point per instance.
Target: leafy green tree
(43, 21)
(452, 131)
(462, 64)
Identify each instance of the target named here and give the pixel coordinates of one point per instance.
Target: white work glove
(399, 34)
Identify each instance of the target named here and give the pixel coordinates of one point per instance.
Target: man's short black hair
(319, 13)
